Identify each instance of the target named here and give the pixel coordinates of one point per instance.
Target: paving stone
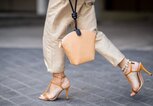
(24, 78)
(27, 91)
(105, 102)
(138, 104)
(31, 104)
(8, 81)
(17, 86)
(6, 103)
(90, 89)
(2, 78)
(3, 89)
(123, 100)
(78, 102)
(147, 100)
(10, 94)
(20, 100)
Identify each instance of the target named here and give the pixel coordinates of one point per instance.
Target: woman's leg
(55, 28)
(56, 23)
(87, 20)
(58, 18)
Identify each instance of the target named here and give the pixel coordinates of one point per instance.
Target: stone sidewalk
(23, 77)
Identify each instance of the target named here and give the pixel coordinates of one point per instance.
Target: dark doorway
(129, 5)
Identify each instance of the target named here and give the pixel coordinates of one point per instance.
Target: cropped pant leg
(87, 20)
(55, 27)
(58, 18)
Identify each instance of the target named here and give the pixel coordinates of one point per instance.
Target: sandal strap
(55, 83)
(134, 91)
(46, 96)
(49, 85)
(60, 76)
(60, 80)
(46, 90)
(126, 65)
(130, 70)
(131, 62)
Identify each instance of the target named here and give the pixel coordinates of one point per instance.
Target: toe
(133, 94)
(41, 97)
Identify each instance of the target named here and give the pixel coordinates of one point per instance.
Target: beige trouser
(58, 19)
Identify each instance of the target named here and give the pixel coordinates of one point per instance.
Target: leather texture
(58, 83)
(134, 76)
(79, 49)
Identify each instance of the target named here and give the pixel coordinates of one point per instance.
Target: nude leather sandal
(134, 76)
(59, 83)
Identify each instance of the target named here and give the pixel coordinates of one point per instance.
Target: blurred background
(21, 22)
(117, 18)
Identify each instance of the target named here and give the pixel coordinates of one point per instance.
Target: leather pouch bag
(79, 49)
(79, 45)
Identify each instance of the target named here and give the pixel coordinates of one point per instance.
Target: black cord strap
(75, 16)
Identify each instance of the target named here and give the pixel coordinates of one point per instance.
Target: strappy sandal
(60, 84)
(135, 68)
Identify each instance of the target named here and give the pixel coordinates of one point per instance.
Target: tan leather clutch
(79, 49)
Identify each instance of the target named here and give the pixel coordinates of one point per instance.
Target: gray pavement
(23, 77)
(23, 74)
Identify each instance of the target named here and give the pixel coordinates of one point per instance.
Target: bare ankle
(122, 63)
